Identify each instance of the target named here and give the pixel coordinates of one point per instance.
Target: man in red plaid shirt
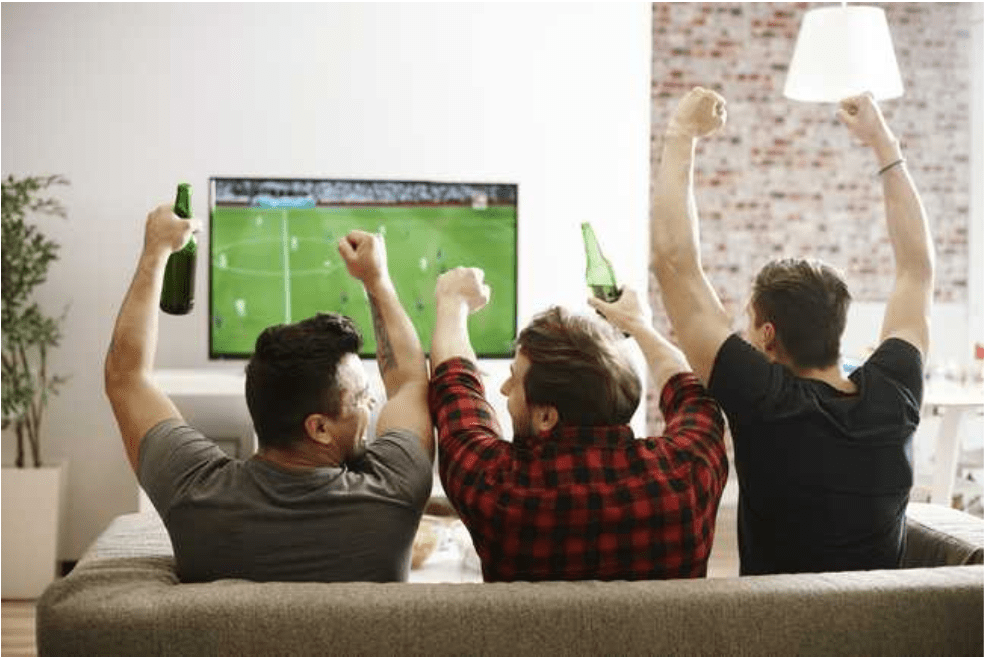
(575, 495)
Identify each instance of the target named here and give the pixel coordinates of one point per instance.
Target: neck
(297, 458)
(831, 375)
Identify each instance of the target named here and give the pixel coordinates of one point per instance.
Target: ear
(318, 429)
(769, 334)
(544, 418)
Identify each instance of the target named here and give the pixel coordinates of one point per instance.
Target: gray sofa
(123, 598)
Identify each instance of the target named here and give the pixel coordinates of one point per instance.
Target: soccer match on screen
(274, 256)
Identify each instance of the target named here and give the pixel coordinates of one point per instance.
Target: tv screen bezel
(229, 356)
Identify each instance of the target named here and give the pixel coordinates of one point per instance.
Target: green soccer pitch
(281, 265)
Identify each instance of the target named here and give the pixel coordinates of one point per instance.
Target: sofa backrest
(124, 598)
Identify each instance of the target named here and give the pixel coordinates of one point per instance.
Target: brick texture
(784, 178)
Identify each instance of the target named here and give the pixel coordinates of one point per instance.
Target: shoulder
(399, 444)
(692, 417)
(735, 356)
(169, 437)
(896, 350)
(742, 370)
(900, 361)
(398, 460)
(173, 457)
(896, 358)
(457, 371)
(685, 390)
(457, 397)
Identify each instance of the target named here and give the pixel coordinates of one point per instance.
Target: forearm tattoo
(385, 351)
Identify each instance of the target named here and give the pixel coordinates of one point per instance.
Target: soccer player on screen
(315, 503)
(575, 495)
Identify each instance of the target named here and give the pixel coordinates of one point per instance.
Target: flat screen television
(273, 257)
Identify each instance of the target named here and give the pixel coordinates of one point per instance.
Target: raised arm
(137, 402)
(699, 320)
(692, 418)
(631, 316)
(399, 355)
(908, 314)
(458, 293)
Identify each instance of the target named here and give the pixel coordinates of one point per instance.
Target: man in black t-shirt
(823, 460)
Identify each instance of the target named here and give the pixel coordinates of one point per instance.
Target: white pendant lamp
(841, 52)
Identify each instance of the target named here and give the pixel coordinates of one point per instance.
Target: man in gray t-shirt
(316, 502)
(254, 519)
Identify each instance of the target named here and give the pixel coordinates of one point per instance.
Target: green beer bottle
(178, 292)
(598, 270)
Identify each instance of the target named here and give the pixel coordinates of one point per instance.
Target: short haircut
(577, 367)
(293, 374)
(807, 302)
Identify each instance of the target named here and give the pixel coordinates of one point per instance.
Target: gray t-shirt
(230, 518)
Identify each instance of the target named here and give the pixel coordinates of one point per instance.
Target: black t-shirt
(824, 476)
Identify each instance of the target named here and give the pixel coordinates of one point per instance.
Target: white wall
(976, 220)
(126, 100)
(949, 346)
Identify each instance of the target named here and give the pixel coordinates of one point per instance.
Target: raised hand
(166, 231)
(463, 284)
(365, 256)
(865, 121)
(627, 313)
(699, 114)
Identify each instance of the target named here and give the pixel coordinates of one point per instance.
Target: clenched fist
(365, 256)
(699, 114)
(463, 284)
(862, 116)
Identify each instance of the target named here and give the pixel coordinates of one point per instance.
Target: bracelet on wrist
(886, 168)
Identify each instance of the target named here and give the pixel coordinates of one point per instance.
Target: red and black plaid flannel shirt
(582, 502)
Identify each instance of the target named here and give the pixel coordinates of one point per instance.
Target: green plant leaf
(27, 331)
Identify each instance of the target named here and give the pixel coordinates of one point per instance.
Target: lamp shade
(841, 52)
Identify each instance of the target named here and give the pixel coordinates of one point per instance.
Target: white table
(952, 401)
(454, 560)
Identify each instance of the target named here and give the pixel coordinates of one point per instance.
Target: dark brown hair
(578, 368)
(807, 302)
(292, 374)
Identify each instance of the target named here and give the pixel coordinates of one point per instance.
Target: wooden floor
(18, 629)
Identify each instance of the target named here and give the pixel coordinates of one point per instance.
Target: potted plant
(31, 489)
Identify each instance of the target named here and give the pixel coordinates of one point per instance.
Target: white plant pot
(31, 514)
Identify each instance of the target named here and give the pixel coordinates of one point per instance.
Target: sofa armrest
(139, 534)
(939, 536)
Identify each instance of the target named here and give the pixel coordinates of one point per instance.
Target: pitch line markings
(287, 267)
(331, 266)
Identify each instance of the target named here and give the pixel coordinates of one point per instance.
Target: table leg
(946, 456)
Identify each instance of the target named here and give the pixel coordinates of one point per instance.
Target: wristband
(890, 166)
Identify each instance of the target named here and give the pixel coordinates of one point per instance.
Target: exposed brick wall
(784, 178)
